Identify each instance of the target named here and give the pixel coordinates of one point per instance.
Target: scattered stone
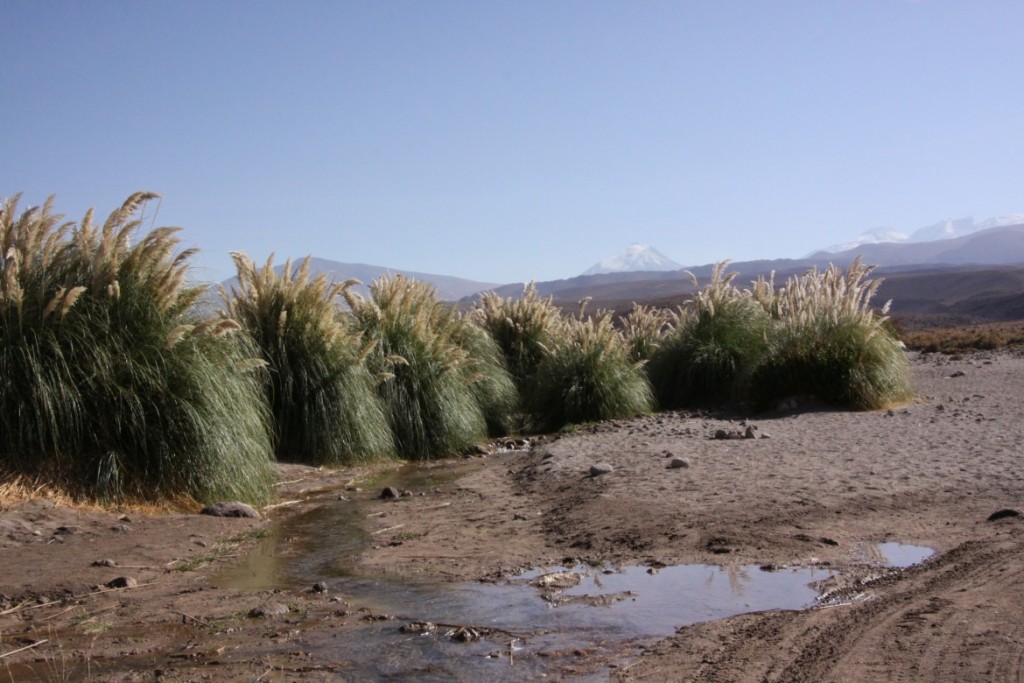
(121, 528)
(828, 541)
(64, 530)
(389, 492)
(407, 494)
(104, 563)
(122, 582)
(467, 634)
(601, 468)
(518, 517)
(230, 509)
(748, 433)
(271, 609)
(320, 587)
(558, 580)
(1004, 513)
(678, 463)
(419, 627)
(124, 518)
(958, 373)
(765, 435)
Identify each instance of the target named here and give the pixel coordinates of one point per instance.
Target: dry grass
(969, 338)
(19, 488)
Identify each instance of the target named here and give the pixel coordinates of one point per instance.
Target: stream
(546, 620)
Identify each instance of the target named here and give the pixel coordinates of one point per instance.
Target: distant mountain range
(448, 288)
(943, 230)
(636, 257)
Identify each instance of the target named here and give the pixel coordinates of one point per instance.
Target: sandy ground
(816, 488)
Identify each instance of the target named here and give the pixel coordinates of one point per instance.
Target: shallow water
(608, 612)
(902, 555)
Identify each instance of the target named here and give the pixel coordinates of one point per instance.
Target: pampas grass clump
(588, 376)
(524, 328)
(718, 342)
(322, 396)
(829, 342)
(111, 389)
(645, 328)
(442, 388)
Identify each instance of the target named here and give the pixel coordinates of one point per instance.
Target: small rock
(122, 582)
(271, 609)
(418, 627)
(748, 433)
(230, 509)
(389, 492)
(678, 463)
(124, 518)
(958, 373)
(104, 563)
(765, 435)
(121, 528)
(407, 494)
(64, 530)
(1004, 513)
(519, 517)
(320, 587)
(721, 434)
(601, 468)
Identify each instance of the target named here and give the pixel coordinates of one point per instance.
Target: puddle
(902, 555)
(605, 615)
(598, 616)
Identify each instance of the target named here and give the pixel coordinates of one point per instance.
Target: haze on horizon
(504, 142)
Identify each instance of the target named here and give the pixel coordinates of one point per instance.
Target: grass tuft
(321, 394)
(715, 346)
(588, 376)
(443, 384)
(111, 389)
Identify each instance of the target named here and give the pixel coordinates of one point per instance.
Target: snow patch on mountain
(943, 230)
(636, 257)
(876, 236)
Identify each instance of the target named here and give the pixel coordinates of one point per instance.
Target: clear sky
(506, 141)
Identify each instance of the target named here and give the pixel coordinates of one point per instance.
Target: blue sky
(507, 141)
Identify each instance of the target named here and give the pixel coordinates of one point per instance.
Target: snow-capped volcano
(635, 257)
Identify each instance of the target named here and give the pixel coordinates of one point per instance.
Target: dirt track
(820, 490)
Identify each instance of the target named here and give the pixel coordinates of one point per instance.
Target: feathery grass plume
(432, 394)
(322, 396)
(716, 345)
(829, 342)
(524, 328)
(644, 329)
(588, 376)
(95, 399)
